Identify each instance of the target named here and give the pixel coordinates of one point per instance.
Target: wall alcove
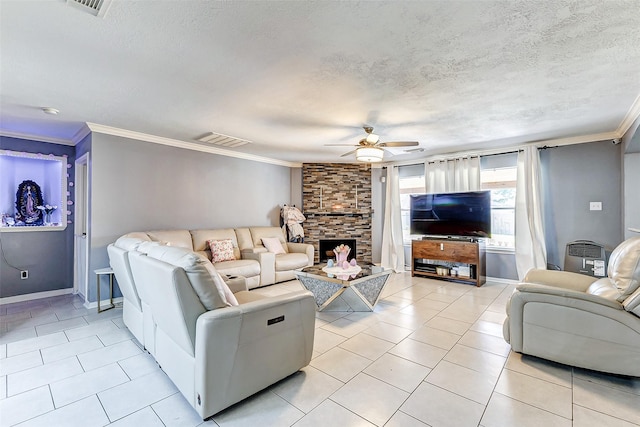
(50, 174)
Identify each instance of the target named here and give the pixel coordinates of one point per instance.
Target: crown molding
(108, 130)
(81, 134)
(39, 138)
(582, 139)
(632, 115)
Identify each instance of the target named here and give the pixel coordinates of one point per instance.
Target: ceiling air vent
(223, 140)
(94, 7)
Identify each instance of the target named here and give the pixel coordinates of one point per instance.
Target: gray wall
(295, 198)
(573, 176)
(631, 144)
(631, 191)
(47, 255)
(137, 186)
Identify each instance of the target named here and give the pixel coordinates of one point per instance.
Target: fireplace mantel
(361, 213)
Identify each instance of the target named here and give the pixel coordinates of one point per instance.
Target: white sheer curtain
(392, 245)
(461, 174)
(531, 251)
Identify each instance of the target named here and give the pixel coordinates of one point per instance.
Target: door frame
(81, 223)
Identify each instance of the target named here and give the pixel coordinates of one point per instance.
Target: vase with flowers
(47, 210)
(342, 252)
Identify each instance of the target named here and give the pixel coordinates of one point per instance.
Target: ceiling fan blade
(349, 153)
(341, 145)
(399, 144)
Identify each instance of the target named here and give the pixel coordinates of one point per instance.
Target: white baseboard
(501, 280)
(37, 295)
(103, 303)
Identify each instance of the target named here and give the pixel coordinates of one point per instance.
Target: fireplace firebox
(325, 251)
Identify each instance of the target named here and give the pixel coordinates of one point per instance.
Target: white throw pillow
(273, 245)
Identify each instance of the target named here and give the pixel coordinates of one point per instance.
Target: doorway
(81, 246)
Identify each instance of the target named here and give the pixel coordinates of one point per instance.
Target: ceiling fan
(369, 148)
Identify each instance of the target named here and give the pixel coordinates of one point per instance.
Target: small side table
(101, 272)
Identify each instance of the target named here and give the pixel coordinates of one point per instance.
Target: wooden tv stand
(439, 258)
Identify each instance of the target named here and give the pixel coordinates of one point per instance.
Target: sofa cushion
(273, 245)
(177, 238)
(258, 233)
(221, 250)
(204, 278)
(291, 261)
(604, 288)
(128, 243)
(145, 247)
(632, 303)
(624, 267)
(201, 238)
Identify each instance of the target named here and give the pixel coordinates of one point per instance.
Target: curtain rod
(544, 147)
(495, 151)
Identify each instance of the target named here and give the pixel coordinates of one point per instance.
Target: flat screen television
(465, 214)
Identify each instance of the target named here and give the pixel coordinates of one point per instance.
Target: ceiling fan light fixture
(372, 138)
(369, 154)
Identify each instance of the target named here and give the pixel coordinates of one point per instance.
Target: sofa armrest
(560, 279)
(533, 301)
(249, 251)
(243, 349)
(303, 248)
(267, 262)
(563, 296)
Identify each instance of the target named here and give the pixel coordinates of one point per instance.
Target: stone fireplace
(336, 200)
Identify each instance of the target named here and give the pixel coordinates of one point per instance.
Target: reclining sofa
(580, 320)
(217, 341)
(250, 258)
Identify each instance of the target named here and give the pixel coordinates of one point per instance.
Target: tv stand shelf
(439, 258)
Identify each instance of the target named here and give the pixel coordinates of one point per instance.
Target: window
(500, 180)
(502, 183)
(409, 185)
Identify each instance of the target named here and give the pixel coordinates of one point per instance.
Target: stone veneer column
(336, 199)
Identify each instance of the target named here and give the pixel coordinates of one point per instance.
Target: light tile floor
(431, 354)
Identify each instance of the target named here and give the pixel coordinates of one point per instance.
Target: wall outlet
(24, 274)
(595, 206)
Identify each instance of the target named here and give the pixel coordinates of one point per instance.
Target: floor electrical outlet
(24, 274)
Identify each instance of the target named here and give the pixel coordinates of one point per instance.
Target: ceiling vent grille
(94, 7)
(223, 140)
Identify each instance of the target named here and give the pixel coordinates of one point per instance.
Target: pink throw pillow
(221, 250)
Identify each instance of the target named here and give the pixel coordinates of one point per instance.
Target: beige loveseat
(218, 344)
(580, 320)
(252, 259)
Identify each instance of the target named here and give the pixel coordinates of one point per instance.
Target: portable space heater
(586, 257)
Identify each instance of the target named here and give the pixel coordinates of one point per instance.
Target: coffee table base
(332, 296)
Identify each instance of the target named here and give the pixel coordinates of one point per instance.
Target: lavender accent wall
(47, 255)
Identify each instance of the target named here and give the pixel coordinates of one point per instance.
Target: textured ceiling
(293, 76)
